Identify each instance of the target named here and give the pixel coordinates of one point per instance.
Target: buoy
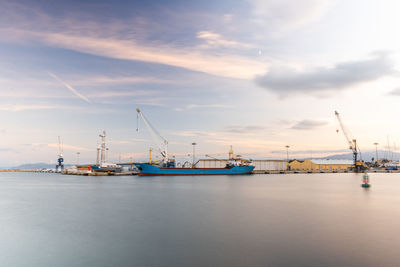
(365, 183)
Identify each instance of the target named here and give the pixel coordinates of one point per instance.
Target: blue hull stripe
(148, 169)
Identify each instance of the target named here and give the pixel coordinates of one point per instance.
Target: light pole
(376, 151)
(287, 153)
(194, 145)
(77, 157)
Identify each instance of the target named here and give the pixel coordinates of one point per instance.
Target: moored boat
(235, 166)
(151, 169)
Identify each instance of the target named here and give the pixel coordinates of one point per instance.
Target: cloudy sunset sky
(255, 74)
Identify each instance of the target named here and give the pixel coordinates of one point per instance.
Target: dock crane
(352, 142)
(60, 160)
(157, 137)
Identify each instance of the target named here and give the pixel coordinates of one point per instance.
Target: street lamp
(287, 152)
(77, 157)
(194, 145)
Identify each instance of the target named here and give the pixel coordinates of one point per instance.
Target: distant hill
(367, 155)
(39, 165)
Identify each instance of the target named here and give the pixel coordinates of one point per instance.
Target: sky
(255, 74)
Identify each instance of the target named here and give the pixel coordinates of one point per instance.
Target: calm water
(259, 220)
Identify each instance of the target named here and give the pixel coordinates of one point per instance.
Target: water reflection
(258, 220)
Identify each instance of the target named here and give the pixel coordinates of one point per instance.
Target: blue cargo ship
(150, 169)
(167, 166)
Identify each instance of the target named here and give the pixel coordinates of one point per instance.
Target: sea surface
(51, 220)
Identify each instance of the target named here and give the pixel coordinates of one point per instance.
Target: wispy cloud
(117, 80)
(244, 129)
(128, 142)
(114, 93)
(201, 106)
(195, 133)
(15, 108)
(309, 124)
(284, 15)
(73, 90)
(214, 40)
(340, 76)
(232, 66)
(70, 147)
(395, 92)
(115, 40)
(20, 108)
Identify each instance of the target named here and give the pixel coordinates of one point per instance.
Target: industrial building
(325, 165)
(261, 165)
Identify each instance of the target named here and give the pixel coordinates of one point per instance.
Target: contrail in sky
(73, 90)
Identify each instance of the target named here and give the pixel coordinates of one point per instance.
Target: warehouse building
(269, 165)
(326, 165)
(261, 165)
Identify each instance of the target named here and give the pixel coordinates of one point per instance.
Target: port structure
(352, 142)
(157, 137)
(102, 149)
(60, 160)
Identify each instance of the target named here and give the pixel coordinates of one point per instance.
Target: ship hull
(151, 170)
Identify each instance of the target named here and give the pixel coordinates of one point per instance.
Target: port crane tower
(157, 137)
(60, 160)
(352, 142)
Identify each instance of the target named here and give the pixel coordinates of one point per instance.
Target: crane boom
(351, 142)
(345, 133)
(208, 156)
(156, 135)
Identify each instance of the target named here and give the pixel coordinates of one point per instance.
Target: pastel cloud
(222, 64)
(215, 40)
(244, 129)
(309, 124)
(226, 66)
(201, 106)
(395, 92)
(15, 108)
(342, 75)
(286, 14)
(114, 39)
(70, 147)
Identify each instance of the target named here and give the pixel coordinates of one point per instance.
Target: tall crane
(352, 142)
(157, 137)
(103, 148)
(60, 159)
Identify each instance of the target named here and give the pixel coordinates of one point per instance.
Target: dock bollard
(365, 183)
